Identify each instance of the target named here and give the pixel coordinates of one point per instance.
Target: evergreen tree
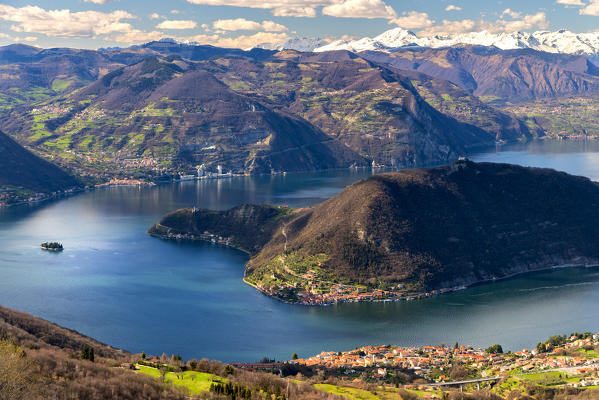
(87, 353)
(84, 352)
(540, 347)
(495, 349)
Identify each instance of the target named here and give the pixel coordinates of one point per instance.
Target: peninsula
(410, 233)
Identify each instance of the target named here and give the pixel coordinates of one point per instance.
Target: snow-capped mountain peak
(297, 43)
(561, 41)
(396, 35)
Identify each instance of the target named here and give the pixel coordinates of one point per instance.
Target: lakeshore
(357, 294)
(339, 293)
(316, 293)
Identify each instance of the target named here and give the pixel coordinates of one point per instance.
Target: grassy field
(568, 116)
(198, 382)
(509, 385)
(548, 378)
(195, 382)
(60, 85)
(386, 393)
(588, 353)
(350, 393)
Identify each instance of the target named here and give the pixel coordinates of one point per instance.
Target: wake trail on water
(558, 287)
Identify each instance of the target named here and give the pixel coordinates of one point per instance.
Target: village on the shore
(317, 294)
(574, 358)
(312, 290)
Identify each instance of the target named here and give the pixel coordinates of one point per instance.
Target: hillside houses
(570, 357)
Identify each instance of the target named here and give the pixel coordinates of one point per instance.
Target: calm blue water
(125, 288)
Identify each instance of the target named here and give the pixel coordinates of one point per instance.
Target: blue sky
(245, 23)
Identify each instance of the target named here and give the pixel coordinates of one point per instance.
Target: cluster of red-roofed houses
(314, 292)
(424, 359)
(415, 358)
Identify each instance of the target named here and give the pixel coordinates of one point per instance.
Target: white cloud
(97, 1)
(64, 23)
(241, 42)
(307, 12)
(526, 22)
(175, 12)
(413, 20)
(242, 24)
(451, 7)
(590, 9)
(177, 24)
(570, 2)
(271, 26)
(283, 8)
(155, 16)
(509, 12)
(137, 36)
(538, 20)
(452, 27)
(18, 39)
(360, 9)
(307, 8)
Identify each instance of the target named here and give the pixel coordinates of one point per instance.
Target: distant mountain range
(562, 41)
(289, 111)
(500, 75)
(176, 106)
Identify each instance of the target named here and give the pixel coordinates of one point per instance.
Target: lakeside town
(18, 195)
(312, 292)
(320, 294)
(165, 232)
(562, 367)
(561, 361)
(308, 288)
(13, 196)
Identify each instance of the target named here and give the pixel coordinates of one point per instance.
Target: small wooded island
(407, 234)
(52, 246)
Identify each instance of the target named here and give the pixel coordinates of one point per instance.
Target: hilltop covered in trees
(412, 231)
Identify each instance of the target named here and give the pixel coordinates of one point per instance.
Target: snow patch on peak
(562, 41)
(303, 43)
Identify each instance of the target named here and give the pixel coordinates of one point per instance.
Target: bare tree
(16, 373)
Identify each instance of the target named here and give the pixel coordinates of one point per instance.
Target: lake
(118, 285)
